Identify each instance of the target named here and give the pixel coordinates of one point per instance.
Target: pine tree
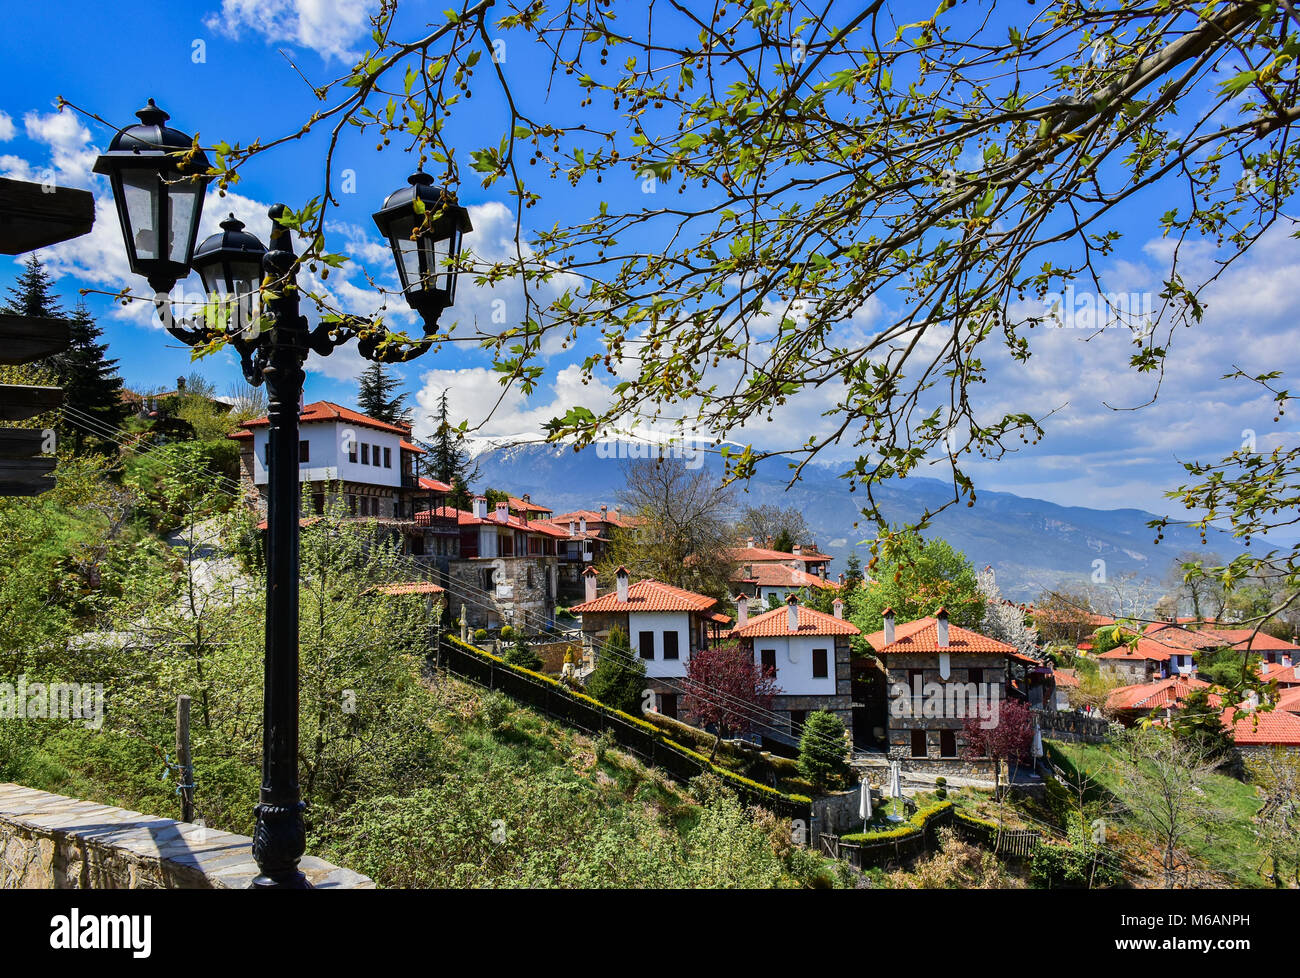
(521, 654)
(379, 398)
(448, 461)
(91, 385)
(852, 571)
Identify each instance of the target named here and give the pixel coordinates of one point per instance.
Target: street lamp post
(159, 179)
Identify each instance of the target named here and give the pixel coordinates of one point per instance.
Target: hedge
(560, 701)
(915, 825)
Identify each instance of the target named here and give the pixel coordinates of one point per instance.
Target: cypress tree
(619, 677)
(448, 461)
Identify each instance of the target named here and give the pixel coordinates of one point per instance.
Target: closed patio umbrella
(895, 786)
(864, 803)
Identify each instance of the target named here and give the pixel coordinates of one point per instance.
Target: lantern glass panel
(140, 188)
(184, 201)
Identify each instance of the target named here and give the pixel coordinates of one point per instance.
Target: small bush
(604, 743)
(480, 634)
(496, 708)
(507, 633)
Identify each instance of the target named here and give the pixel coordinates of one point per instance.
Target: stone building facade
(937, 677)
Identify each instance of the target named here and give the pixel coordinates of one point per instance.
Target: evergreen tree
(448, 461)
(91, 385)
(852, 571)
(619, 677)
(823, 750)
(378, 395)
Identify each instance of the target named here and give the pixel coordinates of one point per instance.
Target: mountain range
(1032, 544)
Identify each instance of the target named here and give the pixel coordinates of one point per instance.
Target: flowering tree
(1007, 739)
(1004, 620)
(724, 687)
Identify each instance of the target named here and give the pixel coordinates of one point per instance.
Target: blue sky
(222, 69)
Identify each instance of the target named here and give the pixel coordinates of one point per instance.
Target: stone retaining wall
(49, 842)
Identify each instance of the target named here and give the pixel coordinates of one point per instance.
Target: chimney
(180, 383)
(604, 513)
(792, 606)
(480, 507)
(620, 575)
(582, 525)
(1252, 701)
(749, 542)
(841, 577)
(528, 497)
(797, 550)
(838, 606)
(888, 615)
(742, 610)
(615, 512)
(942, 617)
(573, 528)
(589, 581)
(1264, 667)
(503, 512)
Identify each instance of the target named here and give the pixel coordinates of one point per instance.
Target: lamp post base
(278, 843)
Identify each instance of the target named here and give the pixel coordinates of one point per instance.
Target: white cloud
(6, 127)
(328, 27)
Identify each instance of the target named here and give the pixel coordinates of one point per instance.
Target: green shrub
(480, 634)
(521, 654)
(507, 633)
(496, 709)
(619, 678)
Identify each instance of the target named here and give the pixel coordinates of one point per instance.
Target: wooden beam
(21, 442)
(19, 402)
(34, 215)
(25, 476)
(27, 338)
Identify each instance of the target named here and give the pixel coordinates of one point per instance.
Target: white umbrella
(864, 803)
(895, 786)
(1038, 743)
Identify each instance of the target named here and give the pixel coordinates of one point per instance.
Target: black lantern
(425, 238)
(230, 264)
(158, 179)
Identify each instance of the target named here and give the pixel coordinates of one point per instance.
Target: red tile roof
(1147, 649)
(408, 447)
(466, 518)
(922, 635)
(1065, 678)
(1289, 701)
(1175, 637)
(433, 484)
(321, 411)
(778, 575)
(525, 507)
(744, 555)
(649, 595)
(1156, 695)
(411, 587)
(1271, 727)
(1248, 638)
(1276, 674)
(776, 624)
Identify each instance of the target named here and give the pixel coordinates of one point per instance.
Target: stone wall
(50, 842)
(521, 592)
(1072, 727)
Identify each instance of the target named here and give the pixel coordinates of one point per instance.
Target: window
(918, 743)
(767, 659)
(374, 456)
(352, 452)
(304, 451)
(352, 504)
(485, 576)
(797, 719)
(819, 663)
(365, 454)
(947, 743)
(975, 675)
(670, 645)
(388, 458)
(528, 576)
(646, 643)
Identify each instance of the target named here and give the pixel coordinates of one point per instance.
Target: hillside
(1031, 543)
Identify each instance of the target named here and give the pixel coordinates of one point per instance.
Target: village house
(664, 625)
(505, 569)
(589, 534)
(1147, 661)
(345, 456)
(938, 676)
(806, 558)
(771, 583)
(808, 654)
(1130, 704)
